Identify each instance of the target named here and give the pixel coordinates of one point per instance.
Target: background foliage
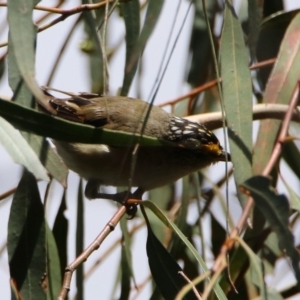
(232, 229)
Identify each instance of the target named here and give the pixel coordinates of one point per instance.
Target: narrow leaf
(30, 120)
(276, 211)
(20, 151)
(153, 12)
(60, 233)
(164, 269)
(237, 93)
(279, 89)
(131, 15)
(53, 266)
(22, 33)
(256, 268)
(219, 293)
(80, 241)
(26, 239)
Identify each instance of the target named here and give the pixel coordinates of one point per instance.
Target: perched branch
(260, 111)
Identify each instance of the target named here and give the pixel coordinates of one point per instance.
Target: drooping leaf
(280, 87)
(254, 20)
(271, 33)
(276, 211)
(12, 140)
(164, 269)
(237, 94)
(26, 239)
(95, 55)
(22, 34)
(291, 155)
(131, 15)
(60, 233)
(200, 57)
(53, 266)
(80, 241)
(219, 293)
(256, 268)
(153, 12)
(126, 261)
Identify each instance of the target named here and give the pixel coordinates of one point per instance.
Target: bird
(186, 146)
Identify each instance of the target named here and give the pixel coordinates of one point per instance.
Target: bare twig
(64, 14)
(110, 226)
(194, 92)
(70, 11)
(8, 193)
(191, 285)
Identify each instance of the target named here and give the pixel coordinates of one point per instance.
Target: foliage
(221, 235)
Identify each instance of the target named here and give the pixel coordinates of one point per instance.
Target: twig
(65, 13)
(194, 282)
(190, 285)
(194, 92)
(109, 227)
(8, 193)
(71, 11)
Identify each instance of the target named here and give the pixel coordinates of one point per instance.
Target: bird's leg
(92, 192)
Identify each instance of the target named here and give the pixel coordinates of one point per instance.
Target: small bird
(189, 146)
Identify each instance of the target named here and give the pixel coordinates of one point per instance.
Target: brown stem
(109, 227)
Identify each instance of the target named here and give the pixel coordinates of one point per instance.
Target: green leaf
(254, 20)
(20, 151)
(294, 198)
(126, 262)
(26, 239)
(131, 15)
(53, 266)
(164, 269)
(291, 155)
(80, 241)
(219, 293)
(276, 211)
(280, 87)
(237, 94)
(23, 96)
(49, 158)
(257, 275)
(95, 56)
(22, 34)
(60, 233)
(271, 33)
(153, 12)
(30, 120)
(200, 54)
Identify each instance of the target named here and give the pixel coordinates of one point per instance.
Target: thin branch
(70, 11)
(260, 111)
(194, 92)
(109, 227)
(65, 13)
(8, 193)
(191, 285)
